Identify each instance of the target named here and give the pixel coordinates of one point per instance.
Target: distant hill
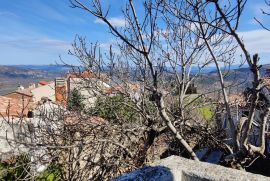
(48, 68)
(246, 69)
(13, 75)
(242, 77)
(32, 71)
(241, 74)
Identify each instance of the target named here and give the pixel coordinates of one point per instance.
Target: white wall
(88, 88)
(44, 91)
(9, 132)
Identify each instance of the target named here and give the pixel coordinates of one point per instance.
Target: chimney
(20, 87)
(60, 90)
(32, 86)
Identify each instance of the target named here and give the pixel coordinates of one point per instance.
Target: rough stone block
(176, 168)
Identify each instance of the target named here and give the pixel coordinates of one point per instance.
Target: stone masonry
(176, 168)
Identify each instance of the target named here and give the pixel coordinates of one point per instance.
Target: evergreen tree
(75, 101)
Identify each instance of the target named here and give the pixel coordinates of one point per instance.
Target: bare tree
(245, 147)
(209, 25)
(76, 146)
(217, 24)
(152, 70)
(164, 48)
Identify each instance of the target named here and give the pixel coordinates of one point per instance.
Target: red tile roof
(86, 74)
(25, 92)
(42, 83)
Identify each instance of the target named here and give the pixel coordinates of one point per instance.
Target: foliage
(75, 101)
(206, 112)
(116, 108)
(19, 169)
(202, 106)
(52, 173)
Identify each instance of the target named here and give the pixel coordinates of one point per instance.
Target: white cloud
(105, 46)
(257, 41)
(115, 21)
(33, 50)
(63, 45)
(7, 13)
(35, 44)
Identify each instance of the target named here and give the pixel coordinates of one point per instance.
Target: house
(92, 85)
(17, 103)
(88, 84)
(21, 94)
(33, 93)
(43, 83)
(16, 133)
(240, 108)
(15, 107)
(24, 99)
(44, 90)
(132, 89)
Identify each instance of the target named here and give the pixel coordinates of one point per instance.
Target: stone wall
(176, 168)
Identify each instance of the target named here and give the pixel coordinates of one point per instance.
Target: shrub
(19, 169)
(75, 101)
(52, 173)
(116, 109)
(206, 112)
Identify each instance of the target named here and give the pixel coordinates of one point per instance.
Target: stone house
(240, 108)
(88, 84)
(44, 90)
(21, 94)
(15, 107)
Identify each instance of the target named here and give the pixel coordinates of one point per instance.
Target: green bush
(17, 170)
(206, 112)
(116, 108)
(20, 169)
(52, 173)
(75, 101)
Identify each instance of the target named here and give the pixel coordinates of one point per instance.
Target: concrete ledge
(176, 168)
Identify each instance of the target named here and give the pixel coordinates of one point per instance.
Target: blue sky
(38, 31)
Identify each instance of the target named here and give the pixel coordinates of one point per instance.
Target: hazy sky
(38, 31)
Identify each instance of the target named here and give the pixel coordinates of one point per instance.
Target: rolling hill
(12, 76)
